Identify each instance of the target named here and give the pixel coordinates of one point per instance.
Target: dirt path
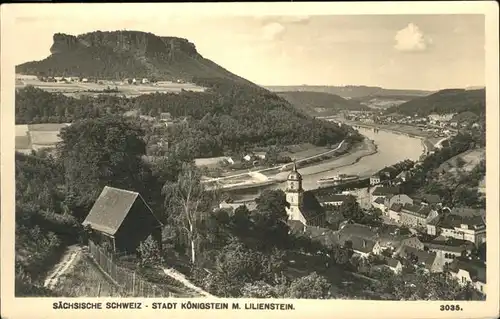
(181, 278)
(66, 262)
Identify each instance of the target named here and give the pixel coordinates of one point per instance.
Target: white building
(472, 229)
(470, 272)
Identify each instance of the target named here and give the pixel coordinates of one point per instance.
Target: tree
(188, 203)
(101, 152)
(350, 209)
(312, 286)
(150, 253)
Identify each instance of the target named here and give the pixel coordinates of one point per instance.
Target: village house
(401, 199)
(260, 155)
(121, 220)
(403, 176)
(232, 205)
(375, 179)
(165, 117)
(383, 191)
(393, 264)
(332, 199)
(431, 226)
(379, 203)
(145, 81)
(362, 247)
(471, 229)
(394, 212)
(469, 272)
(358, 230)
(441, 117)
(413, 242)
(428, 260)
(417, 215)
(431, 199)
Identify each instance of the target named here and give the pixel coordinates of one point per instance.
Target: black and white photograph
(255, 154)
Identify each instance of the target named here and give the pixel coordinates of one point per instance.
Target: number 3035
(450, 308)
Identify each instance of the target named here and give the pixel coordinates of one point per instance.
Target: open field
(472, 158)
(37, 136)
(77, 89)
(44, 138)
(304, 150)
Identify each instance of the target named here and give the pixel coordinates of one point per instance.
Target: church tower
(294, 195)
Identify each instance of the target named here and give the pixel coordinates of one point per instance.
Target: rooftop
(422, 256)
(111, 208)
(416, 210)
(392, 262)
(476, 269)
(357, 230)
(385, 190)
(332, 198)
(396, 207)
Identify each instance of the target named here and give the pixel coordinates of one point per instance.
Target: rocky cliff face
(126, 54)
(136, 42)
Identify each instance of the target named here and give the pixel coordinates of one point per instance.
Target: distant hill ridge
(126, 54)
(350, 91)
(445, 102)
(320, 102)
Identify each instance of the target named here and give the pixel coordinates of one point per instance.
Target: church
(302, 206)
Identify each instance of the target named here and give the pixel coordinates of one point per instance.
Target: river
(391, 148)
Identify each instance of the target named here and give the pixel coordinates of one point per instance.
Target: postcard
(250, 159)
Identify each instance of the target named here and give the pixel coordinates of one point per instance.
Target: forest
(248, 253)
(228, 118)
(445, 102)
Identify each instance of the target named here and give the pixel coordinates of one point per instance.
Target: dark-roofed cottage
(122, 219)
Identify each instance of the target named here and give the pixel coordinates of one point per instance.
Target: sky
(427, 52)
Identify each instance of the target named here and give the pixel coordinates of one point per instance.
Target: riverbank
(407, 130)
(366, 148)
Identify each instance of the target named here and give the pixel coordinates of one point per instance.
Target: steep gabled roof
(422, 256)
(468, 212)
(379, 200)
(396, 207)
(332, 198)
(385, 190)
(477, 270)
(357, 230)
(416, 210)
(111, 208)
(392, 262)
(361, 244)
(311, 208)
(452, 220)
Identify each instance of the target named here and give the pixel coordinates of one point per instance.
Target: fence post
(154, 291)
(133, 284)
(99, 290)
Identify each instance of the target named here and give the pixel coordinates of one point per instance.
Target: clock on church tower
(294, 189)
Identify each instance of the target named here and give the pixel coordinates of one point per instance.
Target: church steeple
(294, 175)
(294, 195)
(294, 179)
